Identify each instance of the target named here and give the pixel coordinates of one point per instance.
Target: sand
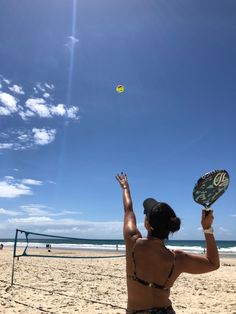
(49, 285)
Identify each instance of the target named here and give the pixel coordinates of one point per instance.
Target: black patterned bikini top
(146, 283)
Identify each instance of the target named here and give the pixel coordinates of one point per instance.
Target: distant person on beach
(152, 268)
(1, 246)
(48, 247)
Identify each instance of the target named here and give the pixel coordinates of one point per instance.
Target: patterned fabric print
(163, 310)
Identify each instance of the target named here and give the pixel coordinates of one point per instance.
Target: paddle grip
(207, 211)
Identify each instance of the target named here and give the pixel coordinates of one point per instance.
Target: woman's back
(150, 273)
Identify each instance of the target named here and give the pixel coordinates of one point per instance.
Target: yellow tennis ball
(120, 88)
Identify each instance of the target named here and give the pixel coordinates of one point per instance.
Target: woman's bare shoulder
(179, 253)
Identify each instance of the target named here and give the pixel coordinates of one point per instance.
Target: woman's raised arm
(130, 230)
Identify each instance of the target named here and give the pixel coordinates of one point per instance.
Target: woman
(152, 268)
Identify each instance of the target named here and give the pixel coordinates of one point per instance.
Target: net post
(14, 255)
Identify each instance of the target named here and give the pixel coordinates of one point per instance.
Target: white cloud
(46, 95)
(22, 140)
(26, 114)
(70, 227)
(43, 136)
(31, 107)
(70, 212)
(34, 106)
(32, 182)
(6, 81)
(38, 106)
(9, 104)
(4, 111)
(13, 189)
(31, 221)
(35, 209)
(72, 112)
(6, 145)
(40, 87)
(8, 212)
(4, 135)
(23, 137)
(9, 178)
(17, 89)
(49, 86)
(58, 110)
(43, 210)
(35, 90)
(16, 141)
(51, 182)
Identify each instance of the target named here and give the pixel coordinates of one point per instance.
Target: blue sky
(65, 132)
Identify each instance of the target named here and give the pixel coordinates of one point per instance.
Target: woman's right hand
(207, 219)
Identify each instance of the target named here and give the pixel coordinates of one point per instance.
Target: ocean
(190, 246)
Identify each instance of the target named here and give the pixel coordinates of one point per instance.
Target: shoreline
(102, 250)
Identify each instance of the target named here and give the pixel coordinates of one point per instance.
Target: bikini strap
(134, 258)
(172, 269)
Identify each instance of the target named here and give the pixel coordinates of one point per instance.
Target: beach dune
(55, 285)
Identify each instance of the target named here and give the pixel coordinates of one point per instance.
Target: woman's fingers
(121, 177)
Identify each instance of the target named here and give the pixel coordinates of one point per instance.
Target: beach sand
(55, 285)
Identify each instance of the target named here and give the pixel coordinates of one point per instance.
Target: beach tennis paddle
(210, 187)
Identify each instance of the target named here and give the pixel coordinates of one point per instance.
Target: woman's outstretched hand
(123, 180)
(207, 219)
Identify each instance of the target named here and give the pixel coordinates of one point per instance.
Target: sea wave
(192, 249)
(72, 246)
(229, 250)
(114, 247)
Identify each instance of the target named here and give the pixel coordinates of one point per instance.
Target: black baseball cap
(158, 212)
(149, 204)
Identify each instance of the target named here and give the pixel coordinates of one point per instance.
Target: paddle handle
(207, 210)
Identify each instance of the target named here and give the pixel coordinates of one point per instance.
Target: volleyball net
(31, 244)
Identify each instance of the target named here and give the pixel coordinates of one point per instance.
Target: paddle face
(210, 187)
